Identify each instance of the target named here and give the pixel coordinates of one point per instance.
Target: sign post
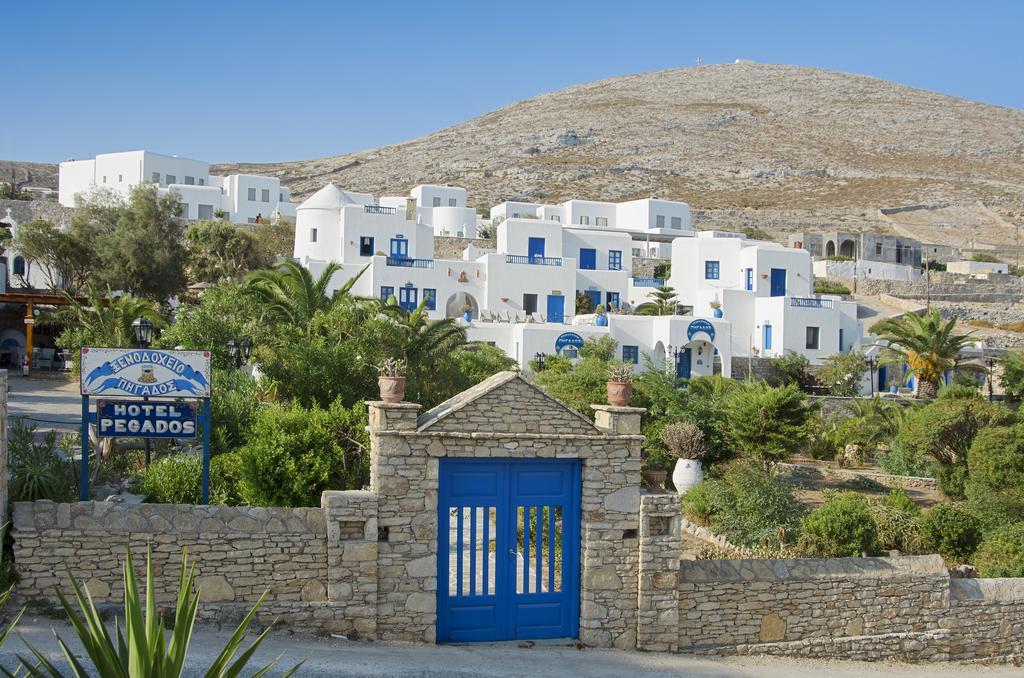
(157, 393)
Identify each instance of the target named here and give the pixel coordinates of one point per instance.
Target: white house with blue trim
(521, 296)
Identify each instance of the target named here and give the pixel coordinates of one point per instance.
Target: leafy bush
(233, 410)
(901, 501)
(791, 368)
(826, 286)
(1001, 554)
(995, 488)
(841, 527)
(842, 373)
(952, 531)
(767, 424)
(38, 470)
(1012, 377)
(178, 479)
(684, 440)
(294, 454)
(901, 462)
(747, 505)
(898, 529)
(986, 258)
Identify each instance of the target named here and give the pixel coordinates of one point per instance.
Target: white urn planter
(687, 474)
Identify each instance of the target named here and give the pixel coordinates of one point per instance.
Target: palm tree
(106, 321)
(664, 302)
(927, 344)
(292, 295)
(425, 340)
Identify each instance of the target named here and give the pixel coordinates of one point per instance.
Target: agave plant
(141, 649)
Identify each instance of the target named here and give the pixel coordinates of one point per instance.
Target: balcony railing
(810, 302)
(379, 209)
(648, 282)
(539, 261)
(405, 262)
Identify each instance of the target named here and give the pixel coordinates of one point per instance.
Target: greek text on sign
(145, 419)
(700, 325)
(145, 372)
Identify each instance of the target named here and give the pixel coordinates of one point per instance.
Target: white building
(522, 297)
(977, 269)
(241, 198)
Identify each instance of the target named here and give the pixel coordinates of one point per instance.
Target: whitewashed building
(240, 198)
(522, 295)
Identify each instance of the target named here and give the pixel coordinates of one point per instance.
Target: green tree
(663, 302)
(927, 343)
(952, 531)
(275, 240)
(65, 260)
(218, 249)
(791, 368)
(1002, 552)
(1012, 374)
(842, 527)
(995, 486)
(291, 294)
(767, 424)
(843, 373)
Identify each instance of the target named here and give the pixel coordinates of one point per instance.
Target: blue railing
(539, 261)
(810, 302)
(648, 282)
(405, 262)
(378, 209)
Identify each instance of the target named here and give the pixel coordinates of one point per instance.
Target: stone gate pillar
(658, 595)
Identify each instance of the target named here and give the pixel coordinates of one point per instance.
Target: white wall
(447, 196)
(514, 236)
(976, 267)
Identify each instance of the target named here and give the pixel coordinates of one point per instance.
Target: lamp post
(991, 362)
(239, 352)
(871, 369)
(539, 359)
(142, 328)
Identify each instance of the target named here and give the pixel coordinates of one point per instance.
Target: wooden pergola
(31, 300)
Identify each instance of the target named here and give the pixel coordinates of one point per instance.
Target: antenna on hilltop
(698, 60)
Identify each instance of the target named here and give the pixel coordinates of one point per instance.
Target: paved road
(51, 402)
(342, 658)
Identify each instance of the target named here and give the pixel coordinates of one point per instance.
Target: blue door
(408, 298)
(778, 282)
(767, 343)
(588, 259)
(840, 340)
(883, 378)
(684, 364)
(399, 248)
(595, 297)
(508, 549)
(749, 278)
(536, 248)
(556, 308)
(613, 301)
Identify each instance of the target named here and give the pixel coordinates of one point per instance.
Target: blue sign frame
(567, 339)
(700, 325)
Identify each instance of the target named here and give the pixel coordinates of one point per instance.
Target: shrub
(841, 527)
(995, 488)
(843, 373)
(233, 410)
(1017, 327)
(294, 454)
(1012, 377)
(38, 470)
(984, 257)
(901, 501)
(767, 424)
(952, 531)
(178, 479)
(791, 368)
(901, 462)
(826, 286)
(684, 440)
(747, 505)
(1002, 553)
(898, 529)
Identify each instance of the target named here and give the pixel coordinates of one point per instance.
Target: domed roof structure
(330, 197)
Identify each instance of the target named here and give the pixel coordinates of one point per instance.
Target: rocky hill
(780, 147)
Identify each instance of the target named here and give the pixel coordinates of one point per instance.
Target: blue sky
(263, 81)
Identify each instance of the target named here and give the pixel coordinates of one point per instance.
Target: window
(19, 266)
(601, 221)
(451, 202)
(631, 354)
(202, 182)
(280, 197)
(430, 298)
(104, 178)
(437, 202)
(399, 248)
(585, 221)
(156, 177)
(677, 223)
(614, 260)
(120, 178)
(530, 303)
(190, 181)
(515, 215)
(878, 248)
(659, 221)
(812, 337)
(767, 343)
(252, 195)
(205, 212)
(386, 293)
(555, 218)
(265, 195)
(612, 301)
(184, 210)
(365, 246)
(312, 235)
(712, 270)
(749, 275)
(637, 252)
(171, 179)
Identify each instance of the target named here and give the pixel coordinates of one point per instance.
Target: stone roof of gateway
(506, 403)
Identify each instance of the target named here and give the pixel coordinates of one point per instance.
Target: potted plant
(620, 385)
(601, 320)
(716, 307)
(686, 443)
(391, 379)
(467, 313)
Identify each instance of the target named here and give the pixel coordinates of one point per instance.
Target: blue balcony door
(883, 378)
(588, 259)
(750, 278)
(595, 297)
(408, 298)
(778, 282)
(536, 248)
(399, 248)
(683, 365)
(613, 301)
(556, 308)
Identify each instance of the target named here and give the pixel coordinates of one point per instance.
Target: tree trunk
(926, 389)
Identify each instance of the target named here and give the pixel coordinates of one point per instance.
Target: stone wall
(238, 553)
(450, 247)
(26, 210)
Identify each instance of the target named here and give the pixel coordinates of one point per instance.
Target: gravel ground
(344, 658)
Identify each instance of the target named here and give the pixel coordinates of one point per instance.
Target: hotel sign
(143, 372)
(567, 340)
(145, 419)
(700, 325)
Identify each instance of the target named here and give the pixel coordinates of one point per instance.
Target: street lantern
(239, 352)
(871, 368)
(246, 347)
(142, 328)
(539, 358)
(991, 362)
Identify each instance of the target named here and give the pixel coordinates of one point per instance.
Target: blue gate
(508, 549)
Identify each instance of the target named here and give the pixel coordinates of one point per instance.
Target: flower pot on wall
(718, 313)
(687, 474)
(619, 393)
(468, 316)
(601, 321)
(654, 478)
(392, 389)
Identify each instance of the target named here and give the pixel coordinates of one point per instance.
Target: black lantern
(871, 370)
(991, 362)
(246, 347)
(539, 357)
(239, 352)
(143, 329)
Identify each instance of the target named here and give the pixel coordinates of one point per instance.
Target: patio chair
(42, 358)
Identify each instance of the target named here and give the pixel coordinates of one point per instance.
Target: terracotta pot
(619, 393)
(392, 389)
(687, 474)
(654, 478)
